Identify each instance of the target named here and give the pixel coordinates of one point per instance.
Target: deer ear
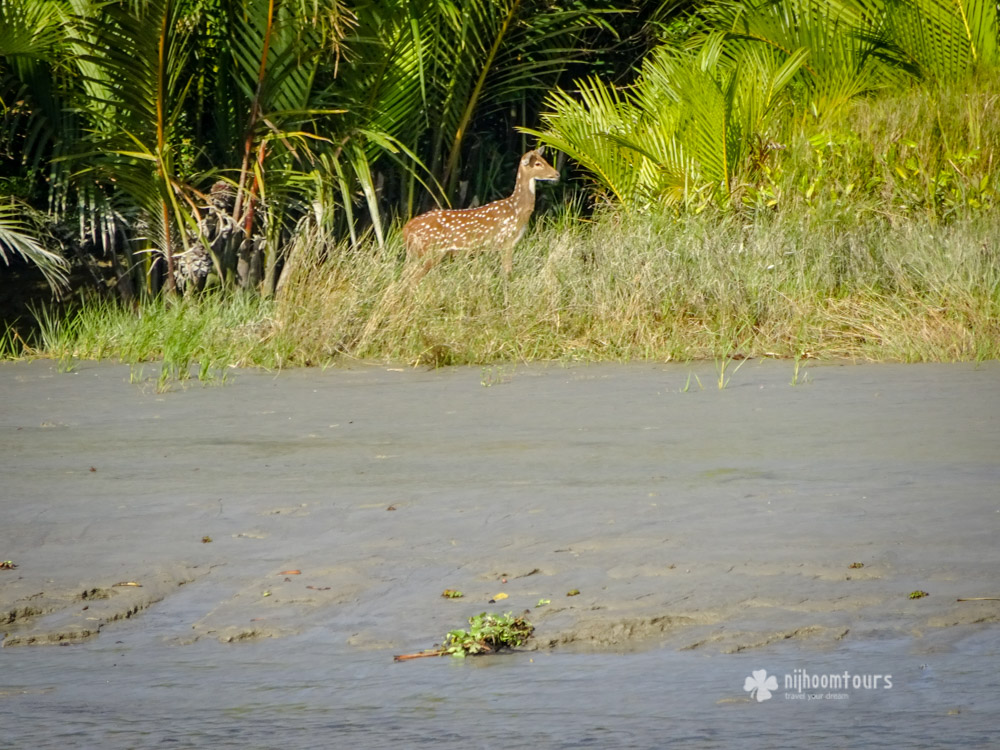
(526, 159)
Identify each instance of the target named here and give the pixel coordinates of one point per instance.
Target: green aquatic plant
(687, 384)
(799, 375)
(722, 365)
(488, 633)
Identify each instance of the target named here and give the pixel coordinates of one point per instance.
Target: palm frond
(844, 45)
(17, 237)
(589, 127)
(30, 30)
(135, 61)
(945, 40)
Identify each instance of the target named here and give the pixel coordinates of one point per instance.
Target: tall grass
(926, 152)
(198, 336)
(650, 288)
(621, 287)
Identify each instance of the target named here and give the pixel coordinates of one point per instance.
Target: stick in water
(421, 655)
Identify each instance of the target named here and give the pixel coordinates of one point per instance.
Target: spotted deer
(497, 226)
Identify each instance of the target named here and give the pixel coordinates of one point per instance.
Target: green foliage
(132, 63)
(19, 237)
(198, 337)
(488, 633)
(11, 344)
(187, 142)
(692, 127)
(943, 40)
(704, 120)
(450, 79)
(922, 152)
(841, 48)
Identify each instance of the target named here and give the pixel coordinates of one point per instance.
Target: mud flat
(348, 500)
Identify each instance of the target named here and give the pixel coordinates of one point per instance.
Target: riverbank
(837, 282)
(348, 500)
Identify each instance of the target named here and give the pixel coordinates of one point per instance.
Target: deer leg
(418, 270)
(508, 259)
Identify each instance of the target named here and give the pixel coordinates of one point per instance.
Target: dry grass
(653, 288)
(618, 288)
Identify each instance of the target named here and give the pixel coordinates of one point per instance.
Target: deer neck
(523, 197)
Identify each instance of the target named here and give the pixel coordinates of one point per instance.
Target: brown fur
(498, 225)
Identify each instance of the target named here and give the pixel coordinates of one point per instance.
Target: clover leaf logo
(759, 685)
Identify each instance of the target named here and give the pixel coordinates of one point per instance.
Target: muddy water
(711, 534)
(308, 691)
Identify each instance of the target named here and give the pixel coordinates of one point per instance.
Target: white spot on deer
(496, 226)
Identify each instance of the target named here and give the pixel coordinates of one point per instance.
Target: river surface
(131, 690)
(290, 534)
